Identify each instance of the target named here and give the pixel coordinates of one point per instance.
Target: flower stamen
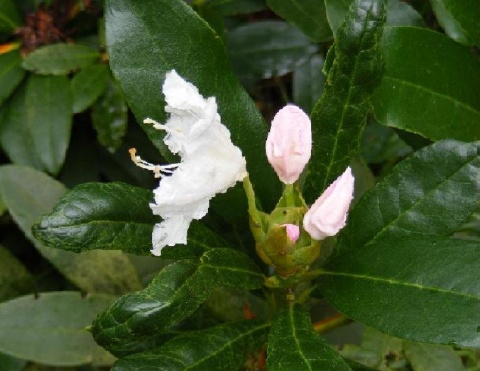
(158, 170)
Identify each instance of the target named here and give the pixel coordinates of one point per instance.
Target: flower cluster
(289, 237)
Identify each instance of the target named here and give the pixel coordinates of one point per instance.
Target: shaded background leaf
(87, 85)
(11, 74)
(28, 194)
(64, 340)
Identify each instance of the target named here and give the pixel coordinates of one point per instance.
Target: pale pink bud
(293, 232)
(329, 213)
(289, 143)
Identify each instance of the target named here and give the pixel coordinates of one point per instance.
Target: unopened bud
(329, 212)
(289, 143)
(293, 232)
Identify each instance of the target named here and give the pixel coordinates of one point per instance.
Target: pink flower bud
(293, 232)
(329, 213)
(289, 143)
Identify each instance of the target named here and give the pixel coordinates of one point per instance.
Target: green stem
(330, 323)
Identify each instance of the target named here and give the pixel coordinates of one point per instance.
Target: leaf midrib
(391, 281)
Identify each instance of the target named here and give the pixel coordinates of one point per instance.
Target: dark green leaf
(438, 101)
(60, 59)
(399, 13)
(136, 320)
(459, 19)
(15, 279)
(87, 85)
(50, 328)
(36, 125)
(421, 289)
(308, 83)
(28, 194)
(109, 216)
(109, 117)
(267, 48)
(294, 346)
(9, 17)
(339, 116)
(11, 74)
(419, 197)
(308, 15)
(224, 347)
(234, 7)
(146, 40)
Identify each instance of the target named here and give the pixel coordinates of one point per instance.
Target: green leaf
(123, 222)
(9, 17)
(168, 34)
(37, 123)
(418, 197)
(307, 15)
(459, 19)
(339, 116)
(14, 277)
(134, 321)
(440, 100)
(224, 347)
(110, 116)
(11, 74)
(397, 287)
(427, 357)
(399, 13)
(294, 345)
(60, 59)
(50, 328)
(28, 194)
(234, 7)
(87, 85)
(267, 48)
(308, 83)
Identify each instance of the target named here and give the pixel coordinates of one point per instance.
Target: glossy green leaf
(110, 116)
(419, 197)
(15, 279)
(308, 83)
(109, 216)
(60, 59)
(50, 328)
(421, 289)
(307, 15)
(224, 347)
(267, 48)
(28, 195)
(399, 13)
(459, 19)
(11, 74)
(87, 85)
(37, 122)
(134, 321)
(9, 16)
(234, 7)
(146, 40)
(294, 345)
(438, 101)
(339, 116)
(427, 357)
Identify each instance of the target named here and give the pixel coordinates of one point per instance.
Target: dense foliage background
(399, 103)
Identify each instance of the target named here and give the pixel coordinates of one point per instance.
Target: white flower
(210, 164)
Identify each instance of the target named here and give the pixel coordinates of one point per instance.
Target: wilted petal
(329, 212)
(210, 162)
